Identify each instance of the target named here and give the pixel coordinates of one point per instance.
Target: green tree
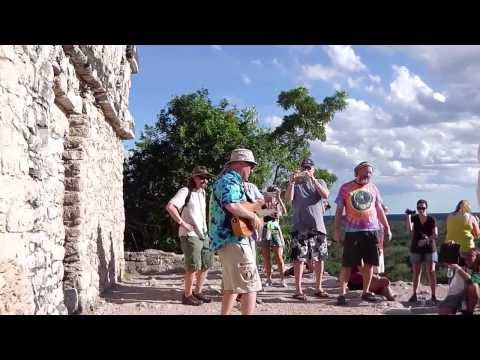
(305, 123)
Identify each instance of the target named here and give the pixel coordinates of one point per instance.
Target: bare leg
(367, 273)
(344, 277)
(267, 262)
(189, 275)
(417, 272)
(298, 271)
(472, 296)
(278, 252)
(432, 277)
(319, 265)
(248, 303)
(228, 301)
(201, 275)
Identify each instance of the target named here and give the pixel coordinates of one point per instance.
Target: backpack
(174, 225)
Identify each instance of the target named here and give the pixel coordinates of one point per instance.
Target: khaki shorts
(240, 273)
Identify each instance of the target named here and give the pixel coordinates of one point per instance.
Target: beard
(364, 180)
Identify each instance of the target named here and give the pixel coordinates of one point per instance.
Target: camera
(410, 212)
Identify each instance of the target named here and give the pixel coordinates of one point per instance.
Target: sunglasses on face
(306, 168)
(421, 208)
(203, 177)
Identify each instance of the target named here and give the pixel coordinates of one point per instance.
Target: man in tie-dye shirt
(362, 204)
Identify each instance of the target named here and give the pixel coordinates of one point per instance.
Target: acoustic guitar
(242, 227)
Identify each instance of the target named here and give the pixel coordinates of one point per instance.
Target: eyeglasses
(421, 208)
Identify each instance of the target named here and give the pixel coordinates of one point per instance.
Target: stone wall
(152, 261)
(63, 115)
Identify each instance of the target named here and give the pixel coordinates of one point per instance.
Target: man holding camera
(305, 192)
(362, 203)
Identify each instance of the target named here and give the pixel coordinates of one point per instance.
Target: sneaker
(413, 298)
(283, 284)
(268, 283)
(434, 300)
(202, 298)
(191, 300)
(259, 301)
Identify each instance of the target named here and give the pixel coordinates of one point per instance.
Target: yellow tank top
(460, 231)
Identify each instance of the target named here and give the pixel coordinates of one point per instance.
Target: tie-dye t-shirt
(360, 206)
(228, 189)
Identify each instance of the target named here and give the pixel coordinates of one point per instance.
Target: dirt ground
(160, 294)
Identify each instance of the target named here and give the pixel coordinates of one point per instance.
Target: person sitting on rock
(379, 285)
(464, 287)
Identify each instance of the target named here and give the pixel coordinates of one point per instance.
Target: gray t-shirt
(308, 207)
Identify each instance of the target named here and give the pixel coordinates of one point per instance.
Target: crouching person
(188, 209)
(463, 292)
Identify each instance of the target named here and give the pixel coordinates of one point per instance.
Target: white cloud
(344, 57)
(375, 78)
(407, 87)
(216, 47)
(279, 65)
(246, 80)
(272, 121)
(318, 72)
(354, 83)
(256, 62)
(439, 97)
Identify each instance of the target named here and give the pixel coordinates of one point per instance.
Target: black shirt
(419, 231)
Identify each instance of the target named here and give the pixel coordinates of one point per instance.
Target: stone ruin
(63, 116)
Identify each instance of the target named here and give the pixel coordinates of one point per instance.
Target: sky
(413, 111)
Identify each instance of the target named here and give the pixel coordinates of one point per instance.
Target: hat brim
(250, 162)
(203, 174)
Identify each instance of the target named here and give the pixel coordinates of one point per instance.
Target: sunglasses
(306, 168)
(203, 177)
(421, 208)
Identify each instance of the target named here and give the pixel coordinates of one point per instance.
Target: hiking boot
(341, 300)
(413, 299)
(202, 298)
(369, 297)
(191, 300)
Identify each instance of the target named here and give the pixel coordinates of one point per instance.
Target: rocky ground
(160, 294)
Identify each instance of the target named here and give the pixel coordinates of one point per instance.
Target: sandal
(413, 299)
(322, 294)
(369, 297)
(299, 296)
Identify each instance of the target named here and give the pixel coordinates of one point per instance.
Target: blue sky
(413, 110)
